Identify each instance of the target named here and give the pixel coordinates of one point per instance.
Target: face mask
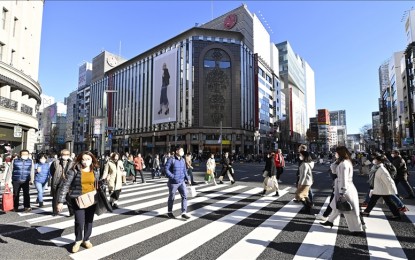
(393, 155)
(374, 161)
(212, 157)
(337, 156)
(42, 160)
(65, 157)
(181, 153)
(301, 158)
(25, 157)
(86, 163)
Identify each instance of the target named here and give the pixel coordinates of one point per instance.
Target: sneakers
(27, 210)
(221, 182)
(76, 246)
(279, 181)
(320, 217)
(170, 215)
(276, 194)
(232, 182)
(87, 244)
(185, 216)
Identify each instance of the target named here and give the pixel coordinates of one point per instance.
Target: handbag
(343, 205)
(7, 199)
(103, 205)
(87, 199)
(191, 191)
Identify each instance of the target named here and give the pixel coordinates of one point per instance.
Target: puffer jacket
(22, 170)
(72, 183)
(176, 170)
(43, 175)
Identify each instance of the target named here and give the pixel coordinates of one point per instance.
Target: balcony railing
(26, 109)
(8, 103)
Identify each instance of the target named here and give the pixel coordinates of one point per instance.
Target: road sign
(17, 131)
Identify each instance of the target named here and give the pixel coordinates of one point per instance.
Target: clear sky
(344, 42)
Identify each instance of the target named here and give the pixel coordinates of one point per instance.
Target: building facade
(71, 115)
(52, 122)
(20, 32)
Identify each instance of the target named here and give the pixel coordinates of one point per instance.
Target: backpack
(391, 169)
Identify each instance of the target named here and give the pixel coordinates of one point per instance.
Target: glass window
(1, 51)
(3, 18)
(14, 26)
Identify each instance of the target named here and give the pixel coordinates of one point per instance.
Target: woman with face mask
(42, 175)
(113, 174)
(305, 181)
(344, 187)
(383, 187)
(81, 179)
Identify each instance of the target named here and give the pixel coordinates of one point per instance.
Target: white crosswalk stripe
(217, 212)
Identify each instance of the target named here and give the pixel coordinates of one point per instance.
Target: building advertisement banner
(165, 87)
(97, 126)
(323, 117)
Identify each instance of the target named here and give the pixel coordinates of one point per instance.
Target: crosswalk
(227, 222)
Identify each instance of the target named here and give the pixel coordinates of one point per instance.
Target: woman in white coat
(113, 174)
(383, 187)
(344, 187)
(210, 169)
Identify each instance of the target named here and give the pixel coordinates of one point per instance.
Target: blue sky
(344, 42)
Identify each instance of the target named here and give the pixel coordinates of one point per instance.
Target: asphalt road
(222, 217)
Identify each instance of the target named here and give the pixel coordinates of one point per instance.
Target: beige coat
(113, 175)
(383, 185)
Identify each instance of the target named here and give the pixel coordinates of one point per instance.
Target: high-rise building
(297, 79)
(209, 89)
(20, 32)
(71, 113)
(53, 128)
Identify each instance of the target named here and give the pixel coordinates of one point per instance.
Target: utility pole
(221, 137)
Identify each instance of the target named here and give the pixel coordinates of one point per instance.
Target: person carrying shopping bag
(269, 174)
(210, 169)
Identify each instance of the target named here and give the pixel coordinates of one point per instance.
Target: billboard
(165, 87)
(323, 117)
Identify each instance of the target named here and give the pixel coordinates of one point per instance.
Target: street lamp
(105, 118)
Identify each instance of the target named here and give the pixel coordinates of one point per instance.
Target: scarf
(372, 172)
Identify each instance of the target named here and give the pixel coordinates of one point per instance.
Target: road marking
(131, 239)
(244, 178)
(381, 240)
(319, 242)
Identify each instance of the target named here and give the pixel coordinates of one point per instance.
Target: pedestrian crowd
(76, 180)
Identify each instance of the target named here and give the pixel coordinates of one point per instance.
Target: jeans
(141, 174)
(156, 172)
(16, 193)
(405, 185)
(40, 190)
(388, 200)
(173, 187)
(190, 173)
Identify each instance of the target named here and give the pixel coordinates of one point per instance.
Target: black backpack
(391, 169)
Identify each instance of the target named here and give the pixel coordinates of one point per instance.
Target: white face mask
(42, 160)
(393, 155)
(374, 161)
(24, 157)
(181, 153)
(86, 163)
(336, 155)
(212, 157)
(301, 158)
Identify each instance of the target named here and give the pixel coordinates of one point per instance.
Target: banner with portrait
(165, 87)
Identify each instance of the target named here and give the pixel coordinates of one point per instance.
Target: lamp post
(400, 131)
(105, 118)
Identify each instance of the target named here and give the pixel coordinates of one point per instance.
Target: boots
(307, 206)
(41, 204)
(263, 193)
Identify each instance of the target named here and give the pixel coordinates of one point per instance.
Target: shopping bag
(191, 191)
(270, 183)
(7, 199)
(207, 177)
(103, 204)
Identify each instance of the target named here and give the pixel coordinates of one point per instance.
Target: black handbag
(343, 205)
(103, 205)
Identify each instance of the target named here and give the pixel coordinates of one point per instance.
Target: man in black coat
(402, 173)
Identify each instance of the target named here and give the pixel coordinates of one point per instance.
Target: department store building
(211, 88)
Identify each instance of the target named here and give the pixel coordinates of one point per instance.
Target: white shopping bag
(191, 191)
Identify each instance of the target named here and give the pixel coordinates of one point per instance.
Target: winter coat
(72, 183)
(138, 163)
(401, 169)
(343, 184)
(176, 170)
(211, 164)
(58, 171)
(279, 160)
(44, 174)
(383, 183)
(21, 170)
(268, 164)
(129, 167)
(306, 174)
(113, 174)
(156, 163)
